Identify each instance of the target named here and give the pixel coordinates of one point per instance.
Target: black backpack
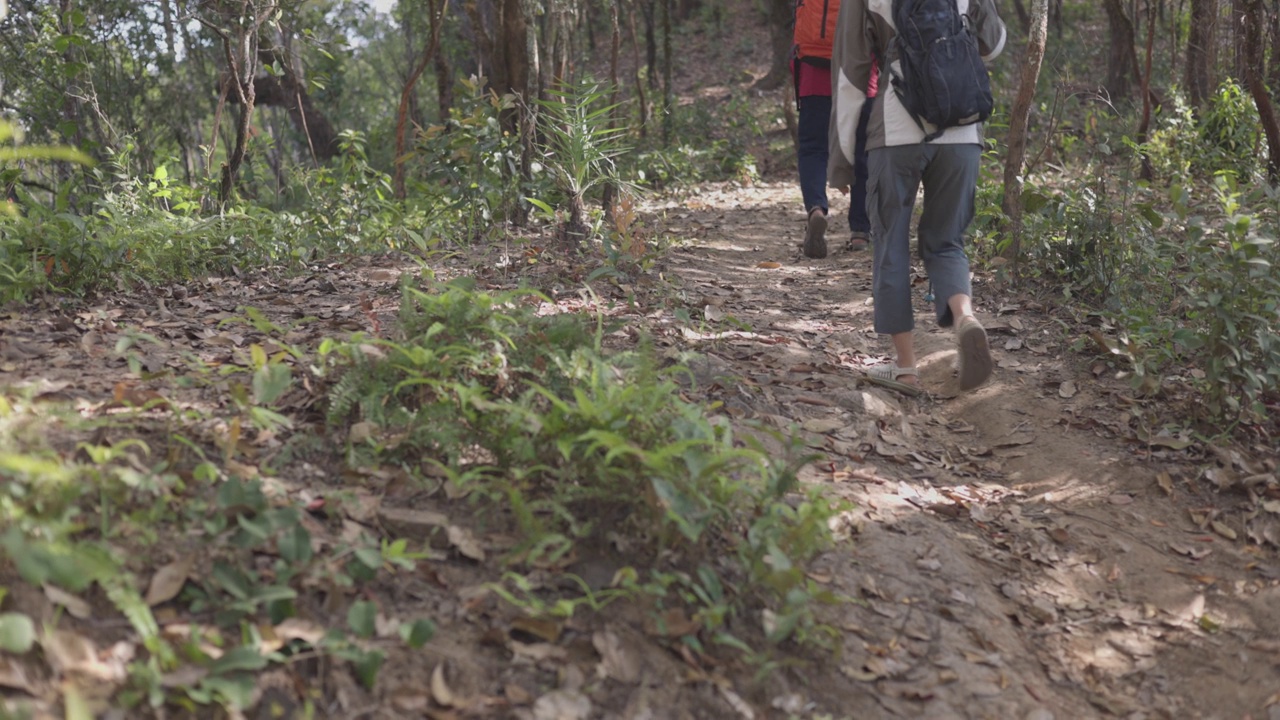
(943, 80)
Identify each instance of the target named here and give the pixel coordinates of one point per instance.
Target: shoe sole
(975, 356)
(815, 240)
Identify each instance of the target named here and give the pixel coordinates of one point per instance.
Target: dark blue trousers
(814, 122)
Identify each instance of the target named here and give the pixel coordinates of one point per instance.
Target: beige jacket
(864, 28)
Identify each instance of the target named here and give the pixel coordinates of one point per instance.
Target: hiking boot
(974, 353)
(815, 235)
(859, 240)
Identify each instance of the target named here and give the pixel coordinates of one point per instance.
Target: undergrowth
(575, 449)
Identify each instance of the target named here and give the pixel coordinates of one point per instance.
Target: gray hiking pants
(950, 177)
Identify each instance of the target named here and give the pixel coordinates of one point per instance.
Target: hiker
(811, 72)
(904, 150)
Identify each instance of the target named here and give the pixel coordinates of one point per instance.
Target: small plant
(581, 147)
(567, 446)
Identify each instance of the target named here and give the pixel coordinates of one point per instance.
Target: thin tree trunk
(435, 10)
(1254, 53)
(444, 86)
(1120, 66)
(780, 17)
(668, 92)
(1273, 40)
(240, 47)
(1144, 127)
(1018, 117)
(642, 105)
(1200, 52)
(615, 88)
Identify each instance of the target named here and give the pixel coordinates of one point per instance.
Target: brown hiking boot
(975, 353)
(815, 235)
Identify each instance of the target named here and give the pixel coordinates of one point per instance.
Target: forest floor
(1028, 550)
(1015, 552)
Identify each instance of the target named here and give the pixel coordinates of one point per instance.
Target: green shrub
(571, 447)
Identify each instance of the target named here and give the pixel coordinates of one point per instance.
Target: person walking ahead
(814, 34)
(904, 151)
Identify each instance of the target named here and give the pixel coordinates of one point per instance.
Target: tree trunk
(649, 8)
(288, 91)
(780, 17)
(1200, 52)
(1144, 127)
(1119, 62)
(240, 47)
(642, 104)
(668, 92)
(1273, 41)
(444, 86)
(615, 88)
(1237, 38)
(435, 19)
(1018, 117)
(1254, 66)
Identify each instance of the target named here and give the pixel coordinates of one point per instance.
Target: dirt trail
(1015, 558)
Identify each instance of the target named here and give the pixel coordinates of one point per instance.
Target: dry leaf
(548, 630)
(361, 431)
(77, 607)
(713, 313)
(440, 691)
(466, 543)
(13, 675)
(1067, 390)
(298, 629)
(1223, 529)
(562, 705)
(738, 704)
(673, 623)
(769, 265)
(1120, 499)
(1192, 552)
(1165, 481)
(615, 660)
(168, 581)
(517, 695)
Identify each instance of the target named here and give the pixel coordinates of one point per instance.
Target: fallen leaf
(168, 581)
(547, 630)
(673, 623)
(1120, 499)
(74, 605)
(361, 432)
(1165, 481)
(617, 661)
(517, 695)
(299, 629)
(1194, 553)
(713, 313)
(1223, 529)
(823, 425)
(737, 703)
(769, 265)
(1067, 389)
(562, 705)
(466, 543)
(13, 675)
(440, 691)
